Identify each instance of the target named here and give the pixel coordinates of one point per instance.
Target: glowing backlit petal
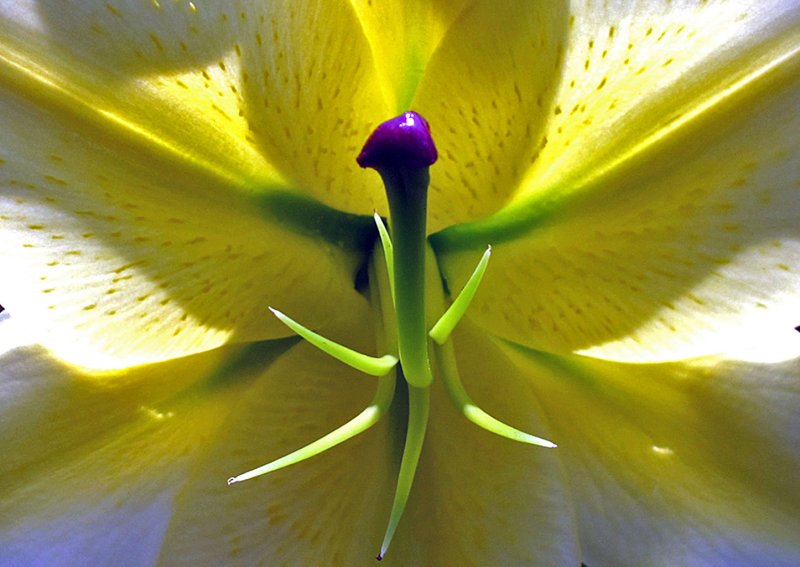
(164, 171)
(119, 257)
(677, 253)
(635, 70)
(144, 450)
(85, 457)
(703, 454)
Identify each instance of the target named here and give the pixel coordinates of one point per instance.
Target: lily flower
(169, 169)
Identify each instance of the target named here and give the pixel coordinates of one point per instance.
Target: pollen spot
(695, 299)
(157, 42)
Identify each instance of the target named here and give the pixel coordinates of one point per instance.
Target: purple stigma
(404, 141)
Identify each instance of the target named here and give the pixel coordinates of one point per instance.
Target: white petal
(691, 464)
(91, 464)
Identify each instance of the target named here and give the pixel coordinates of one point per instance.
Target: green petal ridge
(309, 217)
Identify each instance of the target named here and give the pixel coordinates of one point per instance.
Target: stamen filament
(388, 250)
(374, 366)
(448, 368)
(448, 321)
(363, 421)
(418, 407)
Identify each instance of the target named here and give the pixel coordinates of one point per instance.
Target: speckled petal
(687, 249)
(312, 97)
(632, 72)
(116, 257)
(257, 94)
(677, 463)
(485, 93)
(163, 75)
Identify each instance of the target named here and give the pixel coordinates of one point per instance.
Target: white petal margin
(92, 463)
(116, 257)
(680, 463)
(14, 333)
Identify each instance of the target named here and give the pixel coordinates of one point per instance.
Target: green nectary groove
(512, 222)
(308, 217)
(572, 366)
(249, 363)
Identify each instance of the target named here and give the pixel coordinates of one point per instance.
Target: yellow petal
(632, 73)
(144, 456)
(312, 97)
(255, 94)
(479, 499)
(92, 466)
(162, 75)
(690, 464)
(75, 410)
(116, 257)
(403, 36)
(330, 509)
(686, 250)
(484, 93)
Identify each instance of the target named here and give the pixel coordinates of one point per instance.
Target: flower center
(401, 150)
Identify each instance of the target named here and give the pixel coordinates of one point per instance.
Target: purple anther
(404, 141)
